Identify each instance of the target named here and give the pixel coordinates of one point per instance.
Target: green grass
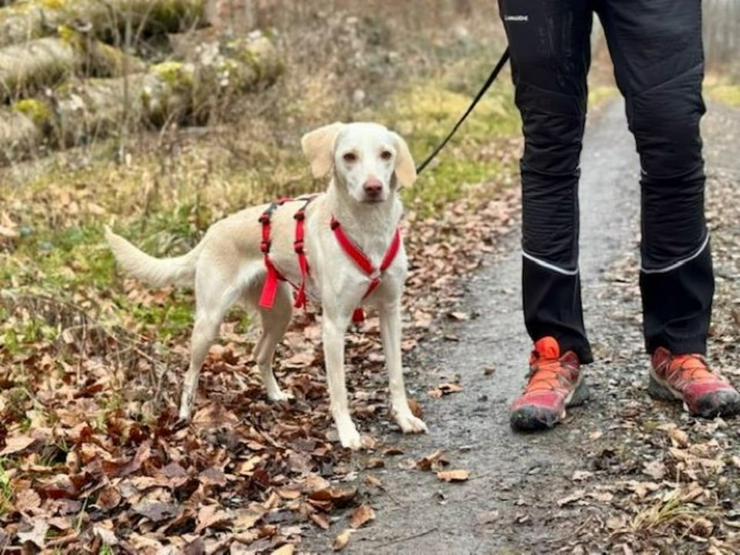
(426, 112)
(164, 204)
(598, 96)
(669, 510)
(6, 490)
(724, 93)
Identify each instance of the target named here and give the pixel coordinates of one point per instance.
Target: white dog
(353, 256)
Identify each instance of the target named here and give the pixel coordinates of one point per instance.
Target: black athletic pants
(657, 53)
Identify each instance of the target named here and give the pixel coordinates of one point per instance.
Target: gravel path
(517, 497)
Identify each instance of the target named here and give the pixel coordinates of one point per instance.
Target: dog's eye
(386, 155)
(349, 157)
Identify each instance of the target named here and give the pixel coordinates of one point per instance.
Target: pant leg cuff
(583, 350)
(679, 347)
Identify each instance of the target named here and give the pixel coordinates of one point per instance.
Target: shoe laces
(546, 374)
(689, 368)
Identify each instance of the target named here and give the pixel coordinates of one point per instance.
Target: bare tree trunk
(37, 18)
(27, 67)
(168, 92)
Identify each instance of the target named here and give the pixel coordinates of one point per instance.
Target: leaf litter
(655, 480)
(92, 454)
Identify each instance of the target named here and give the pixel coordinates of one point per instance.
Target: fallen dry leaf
(445, 389)
(435, 461)
(289, 493)
(36, 535)
(679, 437)
(156, 512)
(314, 483)
(361, 516)
(245, 519)
(416, 408)
(16, 444)
(575, 496)
(321, 521)
(457, 315)
(287, 549)
(108, 498)
(106, 533)
(341, 541)
(27, 500)
(213, 476)
(211, 515)
(655, 469)
(337, 496)
(453, 475)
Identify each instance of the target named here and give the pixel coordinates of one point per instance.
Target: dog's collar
(364, 263)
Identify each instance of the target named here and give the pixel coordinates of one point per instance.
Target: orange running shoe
(555, 382)
(688, 378)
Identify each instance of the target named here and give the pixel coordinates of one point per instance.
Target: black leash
(487, 85)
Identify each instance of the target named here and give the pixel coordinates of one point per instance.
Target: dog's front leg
(334, 327)
(390, 331)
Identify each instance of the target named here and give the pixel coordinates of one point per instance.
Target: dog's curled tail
(157, 272)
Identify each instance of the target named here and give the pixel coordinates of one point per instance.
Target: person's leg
(657, 52)
(550, 56)
(656, 47)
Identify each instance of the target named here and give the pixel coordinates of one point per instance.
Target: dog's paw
(350, 438)
(279, 396)
(184, 415)
(410, 424)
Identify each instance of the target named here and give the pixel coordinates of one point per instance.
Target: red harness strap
(270, 287)
(364, 263)
(300, 220)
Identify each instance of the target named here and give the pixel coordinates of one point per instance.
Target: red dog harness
(364, 263)
(269, 289)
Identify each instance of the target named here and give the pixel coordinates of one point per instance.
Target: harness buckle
(299, 216)
(298, 247)
(264, 218)
(265, 246)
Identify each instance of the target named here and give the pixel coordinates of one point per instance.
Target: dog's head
(368, 160)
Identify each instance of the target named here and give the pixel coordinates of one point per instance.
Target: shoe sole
(533, 419)
(659, 389)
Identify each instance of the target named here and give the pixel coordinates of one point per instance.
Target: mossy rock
(38, 111)
(177, 75)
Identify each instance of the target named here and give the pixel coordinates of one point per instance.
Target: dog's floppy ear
(405, 165)
(318, 146)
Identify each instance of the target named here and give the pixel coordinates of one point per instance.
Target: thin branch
(408, 538)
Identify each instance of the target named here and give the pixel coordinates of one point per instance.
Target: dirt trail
(520, 494)
(472, 426)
